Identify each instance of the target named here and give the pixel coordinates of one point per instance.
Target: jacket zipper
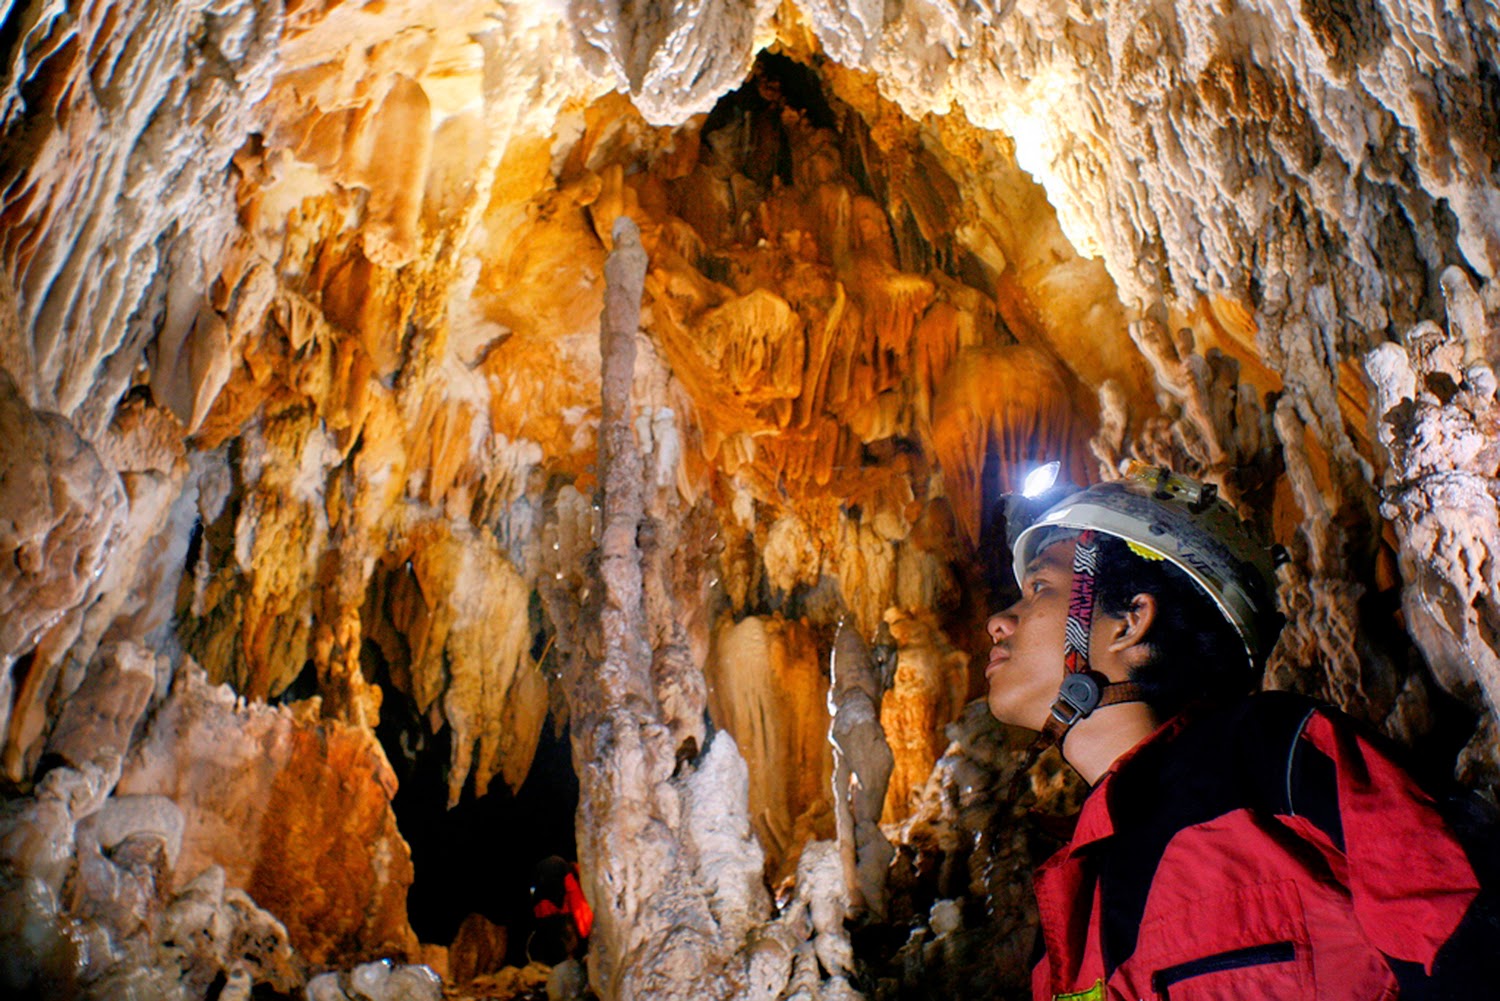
(1255, 955)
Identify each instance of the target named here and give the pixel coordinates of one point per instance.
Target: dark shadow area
(994, 550)
(480, 856)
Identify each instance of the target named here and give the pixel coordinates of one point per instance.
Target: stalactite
(1013, 401)
(120, 124)
(255, 621)
(470, 638)
(1212, 425)
(893, 304)
(864, 563)
(790, 554)
(189, 377)
(1320, 649)
(768, 688)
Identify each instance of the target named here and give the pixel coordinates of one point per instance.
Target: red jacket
(574, 903)
(1266, 851)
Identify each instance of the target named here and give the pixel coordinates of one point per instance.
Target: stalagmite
(664, 844)
(862, 764)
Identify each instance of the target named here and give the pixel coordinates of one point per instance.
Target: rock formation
(384, 384)
(862, 763)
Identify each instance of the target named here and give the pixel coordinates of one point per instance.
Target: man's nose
(1001, 625)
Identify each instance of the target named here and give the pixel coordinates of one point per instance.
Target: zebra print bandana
(1081, 604)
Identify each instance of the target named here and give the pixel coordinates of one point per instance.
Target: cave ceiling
(305, 366)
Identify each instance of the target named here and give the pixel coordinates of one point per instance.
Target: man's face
(1025, 667)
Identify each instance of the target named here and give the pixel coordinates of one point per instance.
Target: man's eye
(1036, 587)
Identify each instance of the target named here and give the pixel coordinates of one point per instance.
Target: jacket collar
(1096, 819)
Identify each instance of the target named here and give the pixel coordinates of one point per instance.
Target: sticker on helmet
(1145, 553)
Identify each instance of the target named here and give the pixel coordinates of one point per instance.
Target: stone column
(862, 763)
(668, 861)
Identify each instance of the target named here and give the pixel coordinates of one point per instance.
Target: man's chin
(1009, 714)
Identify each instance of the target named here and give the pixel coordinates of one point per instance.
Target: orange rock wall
(293, 809)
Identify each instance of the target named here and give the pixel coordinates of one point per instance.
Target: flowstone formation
(389, 388)
(1439, 425)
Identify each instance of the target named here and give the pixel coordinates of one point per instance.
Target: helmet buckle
(1078, 696)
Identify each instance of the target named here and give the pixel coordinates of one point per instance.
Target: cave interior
(442, 436)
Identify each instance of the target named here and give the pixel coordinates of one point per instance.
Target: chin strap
(1082, 690)
(1080, 695)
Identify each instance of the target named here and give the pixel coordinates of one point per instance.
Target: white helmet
(1165, 516)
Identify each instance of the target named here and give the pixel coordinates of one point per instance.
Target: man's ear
(1137, 622)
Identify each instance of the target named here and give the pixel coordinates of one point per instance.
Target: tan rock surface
(295, 811)
(64, 512)
(927, 693)
(768, 686)
(1438, 426)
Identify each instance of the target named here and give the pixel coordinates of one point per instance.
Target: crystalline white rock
(368, 980)
(324, 987)
(946, 917)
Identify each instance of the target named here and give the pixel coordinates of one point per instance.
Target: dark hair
(550, 879)
(1195, 654)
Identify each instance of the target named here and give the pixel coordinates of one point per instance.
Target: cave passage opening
(480, 856)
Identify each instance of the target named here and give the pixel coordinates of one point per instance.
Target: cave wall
(300, 330)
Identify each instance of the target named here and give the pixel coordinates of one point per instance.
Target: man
(1232, 846)
(557, 894)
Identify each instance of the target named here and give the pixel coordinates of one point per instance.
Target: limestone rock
(927, 693)
(118, 927)
(962, 842)
(768, 688)
(279, 803)
(117, 186)
(478, 949)
(142, 446)
(377, 981)
(63, 511)
(37, 843)
(1438, 425)
(99, 719)
(209, 929)
(314, 291)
